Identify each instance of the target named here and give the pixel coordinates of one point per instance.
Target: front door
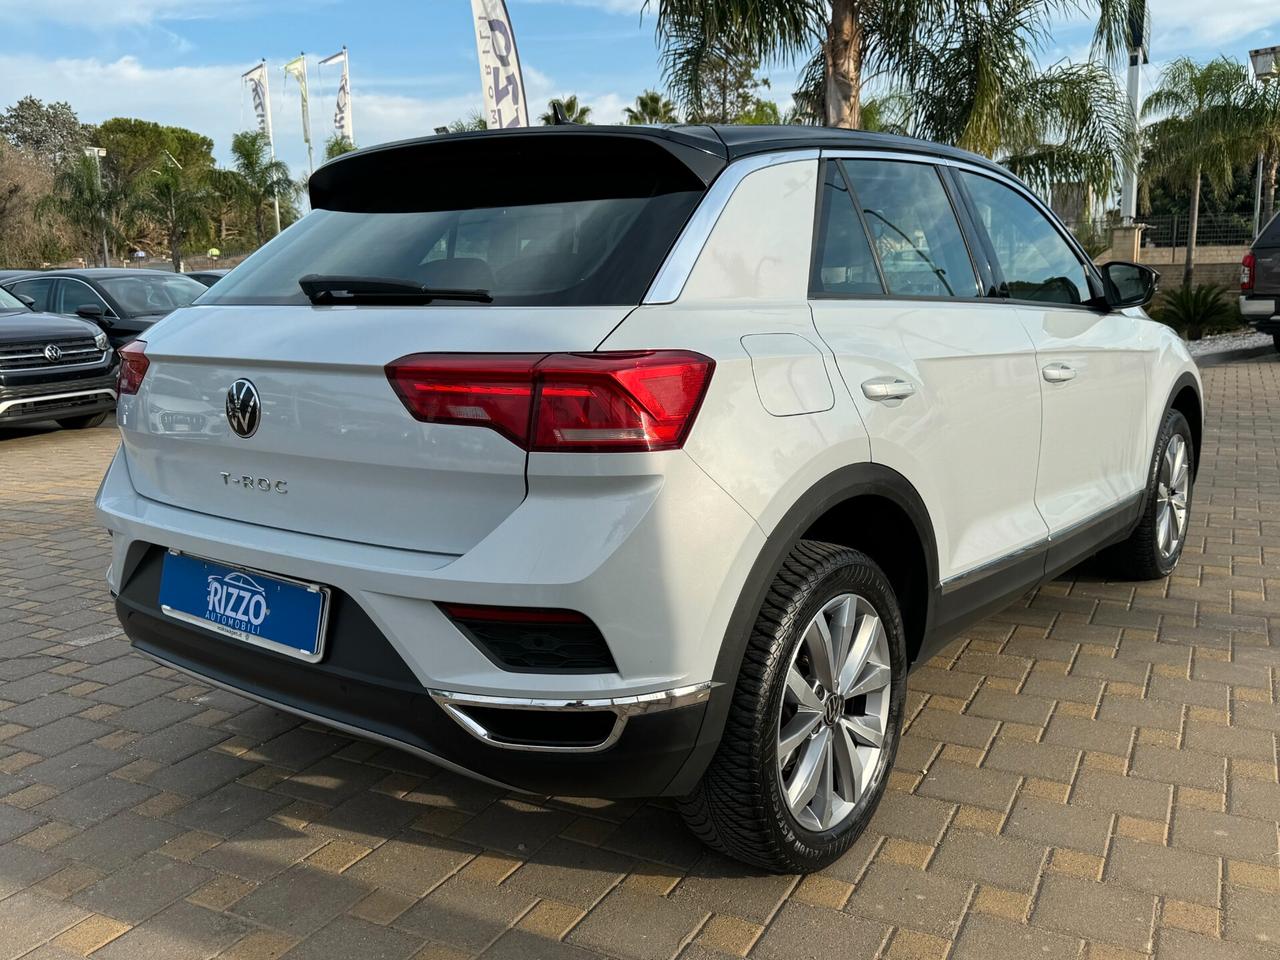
(946, 382)
(1094, 450)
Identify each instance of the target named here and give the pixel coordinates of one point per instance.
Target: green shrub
(1196, 311)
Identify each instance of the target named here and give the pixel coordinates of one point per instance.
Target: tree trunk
(1189, 267)
(843, 55)
(175, 253)
(1269, 186)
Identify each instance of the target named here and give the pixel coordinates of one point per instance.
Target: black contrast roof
(703, 149)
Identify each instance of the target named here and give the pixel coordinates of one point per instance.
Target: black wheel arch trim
(859, 479)
(1187, 379)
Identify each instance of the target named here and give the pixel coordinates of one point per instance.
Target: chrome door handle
(1059, 372)
(887, 388)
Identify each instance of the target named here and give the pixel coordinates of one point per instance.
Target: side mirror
(29, 301)
(1129, 284)
(94, 312)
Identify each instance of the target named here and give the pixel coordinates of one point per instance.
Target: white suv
(639, 461)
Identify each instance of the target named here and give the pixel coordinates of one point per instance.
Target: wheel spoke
(1179, 449)
(817, 640)
(869, 632)
(824, 798)
(795, 733)
(848, 764)
(865, 728)
(1163, 531)
(807, 776)
(801, 691)
(874, 677)
(843, 623)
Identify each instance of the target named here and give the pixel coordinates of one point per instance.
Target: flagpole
(346, 82)
(306, 109)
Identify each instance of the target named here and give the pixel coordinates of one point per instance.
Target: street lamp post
(1266, 65)
(98, 153)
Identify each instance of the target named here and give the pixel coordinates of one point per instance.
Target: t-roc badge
(244, 409)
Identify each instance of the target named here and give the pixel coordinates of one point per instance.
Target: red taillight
(487, 614)
(133, 367)
(590, 402)
(1247, 266)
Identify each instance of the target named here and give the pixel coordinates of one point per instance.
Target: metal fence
(1172, 231)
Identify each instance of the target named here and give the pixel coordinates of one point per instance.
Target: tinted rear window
(569, 222)
(1270, 236)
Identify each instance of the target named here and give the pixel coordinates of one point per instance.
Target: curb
(1231, 356)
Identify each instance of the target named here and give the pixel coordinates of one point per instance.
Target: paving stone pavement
(1091, 774)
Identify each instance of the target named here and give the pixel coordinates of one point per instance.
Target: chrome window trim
(56, 396)
(623, 708)
(674, 273)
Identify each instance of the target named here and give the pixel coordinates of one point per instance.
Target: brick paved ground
(1091, 774)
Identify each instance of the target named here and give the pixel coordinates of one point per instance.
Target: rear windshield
(1270, 236)
(532, 221)
(152, 292)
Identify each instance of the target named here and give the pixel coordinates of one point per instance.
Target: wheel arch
(1185, 397)
(883, 503)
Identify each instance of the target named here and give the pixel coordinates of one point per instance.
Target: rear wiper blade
(326, 289)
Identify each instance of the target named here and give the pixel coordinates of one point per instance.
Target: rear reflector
(1247, 267)
(534, 640)
(590, 402)
(133, 367)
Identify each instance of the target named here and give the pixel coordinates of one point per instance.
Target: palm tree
(1262, 105)
(1201, 132)
(651, 107)
(91, 204)
(178, 202)
(842, 41)
(976, 83)
(264, 178)
(575, 112)
(473, 121)
(336, 146)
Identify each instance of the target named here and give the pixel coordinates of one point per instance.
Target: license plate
(278, 613)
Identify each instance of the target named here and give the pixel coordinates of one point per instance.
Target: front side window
(913, 229)
(72, 295)
(37, 290)
(843, 264)
(1036, 260)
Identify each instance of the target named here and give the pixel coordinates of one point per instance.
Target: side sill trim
(336, 724)
(623, 708)
(1000, 564)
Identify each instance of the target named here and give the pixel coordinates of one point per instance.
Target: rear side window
(913, 229)
(1037, 262)
(556, 221)
(843, 265)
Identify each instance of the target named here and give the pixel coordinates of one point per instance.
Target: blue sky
(413, 62)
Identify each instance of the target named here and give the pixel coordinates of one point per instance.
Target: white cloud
(118, 13)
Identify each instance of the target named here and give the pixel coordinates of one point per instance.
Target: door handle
(1059, 372)
(887, 388)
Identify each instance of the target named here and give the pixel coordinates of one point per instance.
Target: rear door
(1094, 449)
(945, 380)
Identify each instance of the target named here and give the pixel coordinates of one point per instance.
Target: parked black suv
(53, 368)
(1260, 282)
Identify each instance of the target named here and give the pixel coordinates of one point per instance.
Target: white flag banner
(297, 68)
(342, 124)
(500, 75)
(260, 94)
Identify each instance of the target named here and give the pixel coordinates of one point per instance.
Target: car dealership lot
(1097, 763)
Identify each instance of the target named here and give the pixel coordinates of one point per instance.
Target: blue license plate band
(266, 610)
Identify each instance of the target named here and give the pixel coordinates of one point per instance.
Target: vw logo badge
(244, 409)
(52, 353)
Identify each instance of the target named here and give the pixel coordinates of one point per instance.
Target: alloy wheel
(1173, 487)
(835, 707)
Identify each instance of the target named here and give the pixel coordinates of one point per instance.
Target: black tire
(739, 807)
(83, 423)
(1275, 340)
(1140, 557)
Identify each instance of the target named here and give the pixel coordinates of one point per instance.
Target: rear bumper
(51, 401)
(363, 686)
(1261, 312)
